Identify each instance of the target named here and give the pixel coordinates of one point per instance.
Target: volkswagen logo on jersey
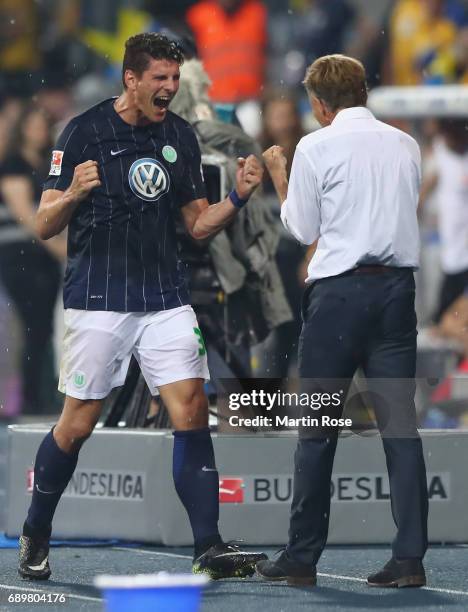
(148, 179)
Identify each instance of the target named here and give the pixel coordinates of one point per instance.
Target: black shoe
(226, 561)
(34, 557)
(399, 573)
(284, 568)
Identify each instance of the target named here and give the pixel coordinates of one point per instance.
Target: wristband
(237, 200)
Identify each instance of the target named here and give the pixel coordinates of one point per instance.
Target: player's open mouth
(162, 102)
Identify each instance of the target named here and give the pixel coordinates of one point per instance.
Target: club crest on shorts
(148, 179)
(79, 379)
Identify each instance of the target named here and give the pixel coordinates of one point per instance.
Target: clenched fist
(275, 161)
(85, 178)
(248, 176)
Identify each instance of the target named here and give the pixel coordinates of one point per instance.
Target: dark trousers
(32, 278)
(369, 321)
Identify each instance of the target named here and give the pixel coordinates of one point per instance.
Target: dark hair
(288, 97)
(16, 135)
(455, 132)
(141, 48)
(338, 80)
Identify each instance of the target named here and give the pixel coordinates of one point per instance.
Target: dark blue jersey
(122, 246)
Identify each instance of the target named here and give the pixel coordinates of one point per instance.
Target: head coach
(354, 189)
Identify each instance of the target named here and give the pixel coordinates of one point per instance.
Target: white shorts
(98, 344)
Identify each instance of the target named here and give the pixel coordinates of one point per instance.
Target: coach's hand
(248, 176)
(275, 161)
(85, 178)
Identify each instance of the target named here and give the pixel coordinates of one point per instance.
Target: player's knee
(71, 436)
(197, 403)
(194, 409)
(80, 432)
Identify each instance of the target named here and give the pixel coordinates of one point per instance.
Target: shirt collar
(355, 112)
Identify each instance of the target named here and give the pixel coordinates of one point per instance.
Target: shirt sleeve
(192, 186)
(300, 213)
(415, 153)
(67, 154)
(419, 167)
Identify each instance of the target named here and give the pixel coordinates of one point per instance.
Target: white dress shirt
(354, 185)
(452, 203)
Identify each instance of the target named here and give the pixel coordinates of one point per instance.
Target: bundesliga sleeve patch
(56, 164)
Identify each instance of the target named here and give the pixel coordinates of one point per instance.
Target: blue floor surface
(341, 583)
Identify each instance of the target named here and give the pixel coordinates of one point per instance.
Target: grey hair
(192, 102)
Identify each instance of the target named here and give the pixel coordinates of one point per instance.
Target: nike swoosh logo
(40, 567)
(205, 469)
(235, 553)
(118, 151)
(45, 492)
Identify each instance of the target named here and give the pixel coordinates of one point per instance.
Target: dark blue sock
(197, 484)
(52, 472)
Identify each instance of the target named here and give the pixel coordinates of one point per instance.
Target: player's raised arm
(203, 221)
(56, 207)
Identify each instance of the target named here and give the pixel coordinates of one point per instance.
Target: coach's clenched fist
(85, 178)
(275, 160)
(248, 176)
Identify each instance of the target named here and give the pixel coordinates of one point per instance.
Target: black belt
(363, 269)
(371, 269)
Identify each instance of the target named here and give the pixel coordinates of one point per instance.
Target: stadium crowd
(57, 57)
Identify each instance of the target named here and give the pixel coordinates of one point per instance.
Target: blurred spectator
(454, 323)
(461, 55)
(40, 47)
(282, 125)
(10, 109)
(448, 179)
(370, 40)
(422, 40)
(56, 101)
(20, 54)
(231, 38)
(30, 270)
(168, 13)
(313, 28)
(322, 26)
(107, 24)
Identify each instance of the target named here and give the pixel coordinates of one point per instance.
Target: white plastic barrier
(123, 488)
